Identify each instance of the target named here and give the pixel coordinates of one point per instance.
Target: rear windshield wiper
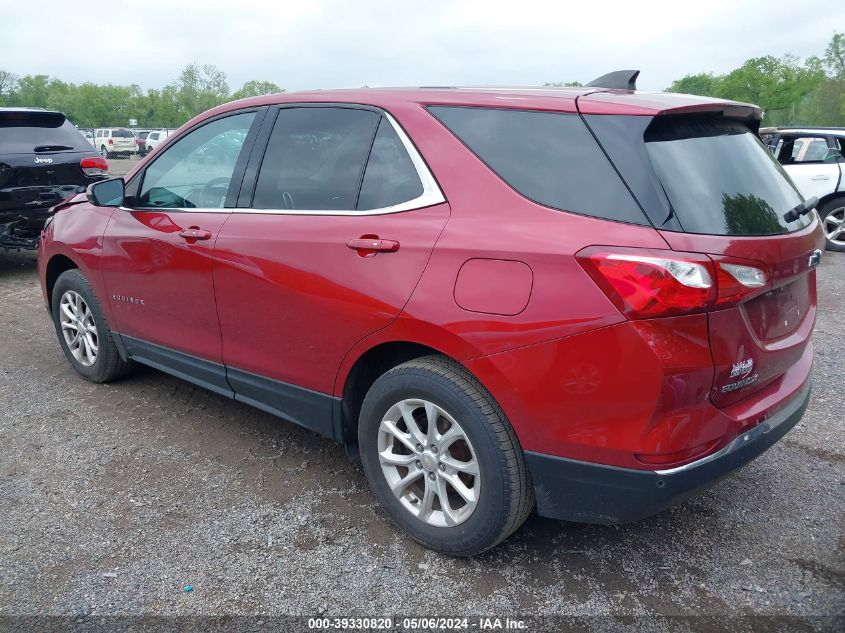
(805, 207)
(51, 148)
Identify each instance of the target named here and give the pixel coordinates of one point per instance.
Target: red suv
(591, 300)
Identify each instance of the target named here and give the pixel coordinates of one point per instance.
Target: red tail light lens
(645, 284)
(738, 282)
(111, 142)
(94, 166)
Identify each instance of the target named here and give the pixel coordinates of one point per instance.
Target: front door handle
(195, 233)
(372, 245)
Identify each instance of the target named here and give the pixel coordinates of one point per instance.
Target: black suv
(43, 160)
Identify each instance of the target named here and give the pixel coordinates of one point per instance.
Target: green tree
(33, 91)
(703, 84)
(8, 87)
(834, 56)
(255, 88)
(200, 88)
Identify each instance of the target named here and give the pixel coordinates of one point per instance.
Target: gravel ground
(114, 498)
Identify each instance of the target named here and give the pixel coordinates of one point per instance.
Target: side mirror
(107, 193)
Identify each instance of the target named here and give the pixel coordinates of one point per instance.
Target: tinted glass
(195, 172)
(390, 177)
(719, 178)
(23, 132)
(122, 134)
(142, 135)
(550, 158)
(315, 159)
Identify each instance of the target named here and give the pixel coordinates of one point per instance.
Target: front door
(813, 163)
(157, 253)
(342, 223)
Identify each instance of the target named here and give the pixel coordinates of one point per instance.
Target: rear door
(123, 141)
(812, 161)
(728, 196)
(328, 250)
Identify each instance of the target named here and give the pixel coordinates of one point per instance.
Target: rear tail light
(738, 282)
(645, 284)
(111, 142)
(94, 166)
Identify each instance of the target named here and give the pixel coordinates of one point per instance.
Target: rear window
(122, 134)
(142, 135)
(28, 132)
(548, 157)
(719, 178)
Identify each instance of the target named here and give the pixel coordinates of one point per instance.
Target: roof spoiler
(617, 80)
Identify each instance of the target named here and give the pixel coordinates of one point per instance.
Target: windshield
(719, 177)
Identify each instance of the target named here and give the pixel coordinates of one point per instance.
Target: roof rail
(617, 80)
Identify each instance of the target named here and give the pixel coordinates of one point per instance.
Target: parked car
(154, 139)
(140, 141)
(589, 299)
(813, 158)
(43, 160)
(112, 142)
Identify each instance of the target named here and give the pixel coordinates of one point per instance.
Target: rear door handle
(372, 245)
(195, 233)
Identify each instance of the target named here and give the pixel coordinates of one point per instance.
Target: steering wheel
(207, 196)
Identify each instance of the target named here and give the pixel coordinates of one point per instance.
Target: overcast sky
(336, 44)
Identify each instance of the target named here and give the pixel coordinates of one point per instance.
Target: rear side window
(315, 159)
(550, 158)
(32, 132)
(390, 177)
(719, 178)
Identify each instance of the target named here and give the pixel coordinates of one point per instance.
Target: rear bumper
(593, 493)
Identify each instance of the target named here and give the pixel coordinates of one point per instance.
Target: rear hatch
(711, 187)
(40, 159)
(122, 141)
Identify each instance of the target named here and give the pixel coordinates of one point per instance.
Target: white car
(154, 138)
(813, 158)
(114, 141)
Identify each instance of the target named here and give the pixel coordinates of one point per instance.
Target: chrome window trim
(430, 196)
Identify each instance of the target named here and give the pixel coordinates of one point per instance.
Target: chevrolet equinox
(592, 301)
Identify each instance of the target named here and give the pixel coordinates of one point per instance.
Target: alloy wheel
(834, 226)
(78, 328)
(429, 462)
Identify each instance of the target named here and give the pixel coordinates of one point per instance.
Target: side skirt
(310, 409)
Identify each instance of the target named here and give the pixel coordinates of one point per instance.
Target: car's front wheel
(82, 329)
(442, 458)
(832, 215)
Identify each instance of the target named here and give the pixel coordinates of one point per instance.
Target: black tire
(105, 153)
(507, 496)
(108, 365)
(837, 204)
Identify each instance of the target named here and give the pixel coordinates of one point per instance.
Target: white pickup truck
(813, 158)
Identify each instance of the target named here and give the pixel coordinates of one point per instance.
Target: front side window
(195, 171)
(315, 159)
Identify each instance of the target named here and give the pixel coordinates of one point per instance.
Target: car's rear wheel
(82, 329)
(442, 458)
(832, 215)
(104, 152)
